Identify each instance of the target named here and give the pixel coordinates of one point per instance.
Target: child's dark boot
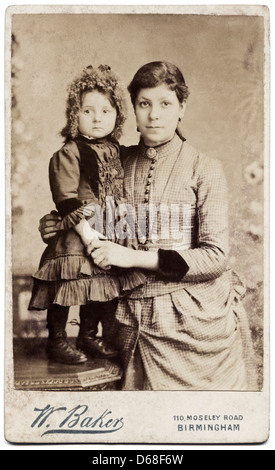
(58, 348)
(88, 340)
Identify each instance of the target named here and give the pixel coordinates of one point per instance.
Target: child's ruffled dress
(86, 179)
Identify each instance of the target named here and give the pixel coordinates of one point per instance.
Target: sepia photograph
(137, 170)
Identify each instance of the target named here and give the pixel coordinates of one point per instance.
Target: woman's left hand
(106, 254)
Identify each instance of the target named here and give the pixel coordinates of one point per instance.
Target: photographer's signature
(78, 420)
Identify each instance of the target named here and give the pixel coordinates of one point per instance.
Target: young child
(84, 175)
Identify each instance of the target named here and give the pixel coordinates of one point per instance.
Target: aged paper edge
(16, 431)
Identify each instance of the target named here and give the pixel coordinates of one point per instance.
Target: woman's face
(157, 114)
(97, 117)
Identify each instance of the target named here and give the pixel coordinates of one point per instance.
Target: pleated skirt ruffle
(69, 280)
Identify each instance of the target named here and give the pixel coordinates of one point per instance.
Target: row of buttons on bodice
(151, 153)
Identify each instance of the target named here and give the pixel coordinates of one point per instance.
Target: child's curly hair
(103, 80)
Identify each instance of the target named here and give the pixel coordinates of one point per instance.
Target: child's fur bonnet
(104, 80)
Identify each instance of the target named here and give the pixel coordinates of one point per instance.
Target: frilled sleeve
(209, 259)
(64, 176)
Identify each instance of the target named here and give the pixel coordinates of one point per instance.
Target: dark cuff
(68, 205)
(172, 266)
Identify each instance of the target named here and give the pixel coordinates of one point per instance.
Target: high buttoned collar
(162, 150)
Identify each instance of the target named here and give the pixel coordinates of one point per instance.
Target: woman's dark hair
(157, 73)
(103, 80)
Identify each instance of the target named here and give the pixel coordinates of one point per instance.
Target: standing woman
(185, 328)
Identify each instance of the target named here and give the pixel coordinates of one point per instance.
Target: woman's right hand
(49, 225)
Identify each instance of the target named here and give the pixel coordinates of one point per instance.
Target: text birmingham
(208, 427)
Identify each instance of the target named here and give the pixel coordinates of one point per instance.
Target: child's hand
(89, 247)
(106, 254)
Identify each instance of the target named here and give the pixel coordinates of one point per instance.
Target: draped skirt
(169, 343)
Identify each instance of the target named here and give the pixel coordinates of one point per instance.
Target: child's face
(157, 113)
(97, 117)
